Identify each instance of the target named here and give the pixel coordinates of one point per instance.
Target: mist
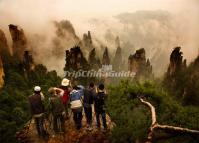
(157, 26)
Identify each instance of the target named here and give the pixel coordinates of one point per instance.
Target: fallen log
(155, 126)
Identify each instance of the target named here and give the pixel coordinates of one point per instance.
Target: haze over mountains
(158, 31)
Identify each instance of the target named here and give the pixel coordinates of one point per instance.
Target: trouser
(77, 117)
(58, 123)
(66, 106)
(39, 121)
(103, 115)
(88, 113)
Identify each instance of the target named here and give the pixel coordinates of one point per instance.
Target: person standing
(65, 85)
(76, 106)
(99, 105)
(87, 103)
(57, 109)
(37, 110)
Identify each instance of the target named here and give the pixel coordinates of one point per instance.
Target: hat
(37, 88)
(65, 82)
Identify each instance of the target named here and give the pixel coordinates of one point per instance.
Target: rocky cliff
(117, 61)
(75, 59)
(106, 58)
(176, 62)
(182, 80)
(94, 62)
(176, 71)
(4, 49)
(137, 63)
(65, 37)
(1, 74)
(72, 135)
(4, 55)
(87, 41)
(28, 62)
(19, 41)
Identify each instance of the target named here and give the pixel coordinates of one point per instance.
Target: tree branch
(155, 125)
(177, 129)
(152, 108)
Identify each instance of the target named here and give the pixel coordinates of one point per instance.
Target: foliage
(184, 85)
(14, 112)
(133, 119)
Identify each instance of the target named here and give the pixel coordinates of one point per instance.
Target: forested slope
(133, 118)
(14, 112)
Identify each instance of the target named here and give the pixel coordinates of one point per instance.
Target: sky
(90, 7)
(39, 12)
(34, 16)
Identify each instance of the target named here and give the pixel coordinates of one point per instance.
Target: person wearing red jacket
(65, 85)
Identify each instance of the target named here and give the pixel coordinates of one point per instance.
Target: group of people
(67, 98)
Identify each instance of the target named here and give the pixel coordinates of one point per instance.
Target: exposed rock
(4, 49)
(175, 71)
(137, 63)
(146, 24)
(89, 37)
(190, 95)
(176, 62)
(63, 28)
(117, 41)
(117, 61)
(105, 58)
(19, 41)
(1, 74)
(93, 61)
(87, 40)
(28, 62)
(65, 37)
(182, 80)
(178, 78)
(72, 135)
(75, 59)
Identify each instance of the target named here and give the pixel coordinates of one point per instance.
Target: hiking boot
(104, 130)
(98, 127)
(89, 128)
(61, 132)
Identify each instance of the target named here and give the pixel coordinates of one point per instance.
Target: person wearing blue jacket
(76, 106)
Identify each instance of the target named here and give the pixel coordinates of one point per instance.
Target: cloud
(36, 17)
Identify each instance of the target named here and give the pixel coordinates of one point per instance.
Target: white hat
(65, 82)
(37, 88)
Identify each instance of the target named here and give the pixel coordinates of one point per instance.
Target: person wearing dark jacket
(99, 105)
(37, 110)
(87, 103)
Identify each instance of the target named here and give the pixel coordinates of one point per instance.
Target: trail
(72, 135)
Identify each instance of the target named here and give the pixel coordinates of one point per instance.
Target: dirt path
(73, 135)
